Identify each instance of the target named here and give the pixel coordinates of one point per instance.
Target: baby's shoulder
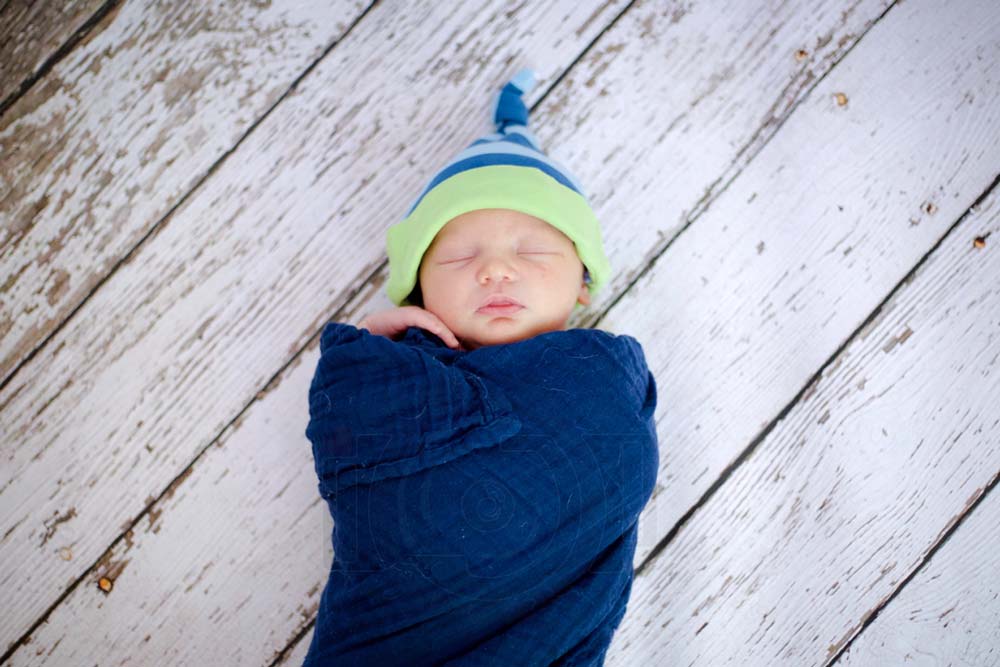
(622, 347)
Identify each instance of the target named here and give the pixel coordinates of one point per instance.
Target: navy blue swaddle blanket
(485, 502)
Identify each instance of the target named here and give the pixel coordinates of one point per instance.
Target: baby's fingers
(438, 328)
(446, 335)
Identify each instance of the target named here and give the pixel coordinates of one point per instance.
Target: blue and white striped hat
(506, 169)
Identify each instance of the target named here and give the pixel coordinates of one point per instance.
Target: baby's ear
(584, 296)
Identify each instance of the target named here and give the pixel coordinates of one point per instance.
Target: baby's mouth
(505, 309)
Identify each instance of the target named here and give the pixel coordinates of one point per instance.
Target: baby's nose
(496, 270)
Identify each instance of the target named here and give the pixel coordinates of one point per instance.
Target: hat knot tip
(508, 106)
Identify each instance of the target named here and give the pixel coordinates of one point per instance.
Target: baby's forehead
(502, 222)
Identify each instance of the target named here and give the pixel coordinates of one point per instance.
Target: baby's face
(496, 250)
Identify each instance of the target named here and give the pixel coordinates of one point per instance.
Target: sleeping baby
(485, 466)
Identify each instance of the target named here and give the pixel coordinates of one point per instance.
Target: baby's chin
(500, 331)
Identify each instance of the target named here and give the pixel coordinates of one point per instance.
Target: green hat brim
(525, 189)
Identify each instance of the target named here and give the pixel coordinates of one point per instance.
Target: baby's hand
(392, 323)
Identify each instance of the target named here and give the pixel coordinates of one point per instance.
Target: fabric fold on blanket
(485, 502)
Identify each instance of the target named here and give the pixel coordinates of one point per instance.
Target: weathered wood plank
(800, 249)
(843, 221)
(31, 33)
(633, 31)
(867, 247)
(225, 596)
(98, 151)
(851, 490)
(252, 264)
(948, 613)
(296, 655)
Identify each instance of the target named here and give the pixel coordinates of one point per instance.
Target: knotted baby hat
(506, 169)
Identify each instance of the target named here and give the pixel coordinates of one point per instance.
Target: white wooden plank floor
(799, 200)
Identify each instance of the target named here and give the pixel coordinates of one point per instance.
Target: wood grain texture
(296, 655)
(33, 32)
(809, 239)
(814, 240)
(183, 336)
(949, 613)
(686, 95)
(213, 575)
(97, 152)
(851, 490)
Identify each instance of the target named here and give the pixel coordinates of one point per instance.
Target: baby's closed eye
(520, 252)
